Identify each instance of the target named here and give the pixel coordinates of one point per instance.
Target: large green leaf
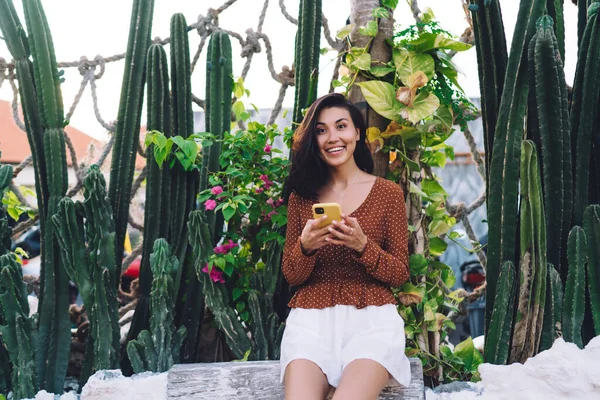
(424, 106)
(381, 96)
(408, 62)
(429, 41)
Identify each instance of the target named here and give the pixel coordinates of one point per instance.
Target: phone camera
(319, 210)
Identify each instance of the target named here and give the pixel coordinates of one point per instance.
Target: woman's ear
(357, 135)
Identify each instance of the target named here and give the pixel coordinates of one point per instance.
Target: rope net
(93, 70)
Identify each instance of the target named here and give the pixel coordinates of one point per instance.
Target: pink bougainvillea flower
(268, 217)
(216, 190)
(270, 202)
(225, 247)
(278, 202)
(266, 180)
(215, 275)
(268, 148)
(259, 190)
(210, 205)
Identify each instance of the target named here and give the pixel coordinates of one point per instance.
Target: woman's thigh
(362, 379)
(304, 380)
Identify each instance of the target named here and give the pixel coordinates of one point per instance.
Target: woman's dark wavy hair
(309, 173)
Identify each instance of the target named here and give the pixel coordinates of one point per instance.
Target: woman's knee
(304, 379)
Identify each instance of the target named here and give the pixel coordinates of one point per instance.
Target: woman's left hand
(348, 233)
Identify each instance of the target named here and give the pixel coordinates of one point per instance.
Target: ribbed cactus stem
(555, 9)
(504, 167)
(574, 299)
(306, 57)
(158, 349)
(533, 265)
(584, 109)
(497, 343)
(17, 332)
(86, 236)
(591, 226)
(158, 180)
(218, 113)
(492, 56)
(551, 329)
(551, 99)
(128, 121)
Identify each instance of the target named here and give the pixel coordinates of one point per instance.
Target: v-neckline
(365, 201)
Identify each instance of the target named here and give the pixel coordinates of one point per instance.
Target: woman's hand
(348, 233)
(313, 237)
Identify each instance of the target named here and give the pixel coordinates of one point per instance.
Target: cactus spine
(551, 99)
(92, 267)
(533, 264)
(591, 226)
(497, 344)
(490, 43)
(17, 332)
(128, 122)
(584, 109)
(552, 309)
(158, 349)
(306, 56)
(504, 167)
(218, 113)
(574, 300)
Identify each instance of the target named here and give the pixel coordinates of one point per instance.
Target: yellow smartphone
(332, 210)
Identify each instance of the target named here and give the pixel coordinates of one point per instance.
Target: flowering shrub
(248, 192)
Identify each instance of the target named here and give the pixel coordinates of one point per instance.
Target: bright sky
(87, 28)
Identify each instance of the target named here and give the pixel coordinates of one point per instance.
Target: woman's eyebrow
(341, 119)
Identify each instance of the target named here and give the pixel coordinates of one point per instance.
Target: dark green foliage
(86, 236)
(574, 300)
(306, 56)
(158, 349)
(17, 331)
(504, 166)
(127, 130)
(497, 344)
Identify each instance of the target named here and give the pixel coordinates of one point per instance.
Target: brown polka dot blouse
(336, 274)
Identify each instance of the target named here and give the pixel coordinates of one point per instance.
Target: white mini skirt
(333, 337)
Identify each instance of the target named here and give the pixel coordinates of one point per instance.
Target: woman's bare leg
(304, 380)
(362, 379)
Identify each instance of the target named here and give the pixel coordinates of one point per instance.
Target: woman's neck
(344, 174)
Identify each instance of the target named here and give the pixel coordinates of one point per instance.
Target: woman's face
(336, 136)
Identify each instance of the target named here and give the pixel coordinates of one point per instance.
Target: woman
(343, 329)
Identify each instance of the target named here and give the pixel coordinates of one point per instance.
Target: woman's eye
(319, 131)
(341, 126)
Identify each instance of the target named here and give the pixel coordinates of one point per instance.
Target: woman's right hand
(313, 237)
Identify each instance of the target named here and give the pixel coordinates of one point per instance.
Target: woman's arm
(297, 266)
(390, 265)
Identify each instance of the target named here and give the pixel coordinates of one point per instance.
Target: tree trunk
(360, 15)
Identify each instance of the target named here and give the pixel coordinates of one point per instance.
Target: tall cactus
(128, 122)
(17, 333)
(551, 99)
(6, 173)
(184, 188)
(582, 18)
(158, 183)
(490, 43)
(555, 9)
(158, 349)
(92, 266)
(504, 166)
(552, 309)
(584, 109)
(306, 56)
(218, 113)
(497, 343)
(591, 226)
(533, 265)
(574, 300)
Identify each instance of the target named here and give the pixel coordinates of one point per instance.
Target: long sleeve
(296, 266)
(390, 265)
